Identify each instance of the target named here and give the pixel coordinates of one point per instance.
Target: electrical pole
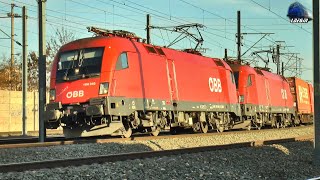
(316, 79)
(148, 29)
(239, 36)
(24, 71)
(225, 54)
(296, 65)
(278, 58)
(42, 68)
(300, 68)
(282, 69)
(12, 16)
(12, 45)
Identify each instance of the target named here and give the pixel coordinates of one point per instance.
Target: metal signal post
(24, 71)
(148, 29)
(12, 46)
(239, 36)
(42, 68)
(278, 59)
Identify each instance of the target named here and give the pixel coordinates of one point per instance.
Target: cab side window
(249, 81)
(232, 77)
(122, 62)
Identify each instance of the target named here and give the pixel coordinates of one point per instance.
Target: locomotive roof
(168, 51)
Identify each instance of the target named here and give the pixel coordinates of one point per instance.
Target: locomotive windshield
(81, 63)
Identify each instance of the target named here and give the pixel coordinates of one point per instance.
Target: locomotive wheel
(249, 127)
(220, 129)
(277, 125)
(259, 125)
(196, 127)
(127, 131)
(156, 131)
(204, 127)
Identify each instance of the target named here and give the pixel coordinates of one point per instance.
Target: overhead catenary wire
(163, 16)
(217, 15)
(104, 22)
(272, 39)
(77, 21)
(71, 21)
(119, 15)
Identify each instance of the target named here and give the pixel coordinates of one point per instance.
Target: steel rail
(27, 166)
(141, 137)
(25, 140)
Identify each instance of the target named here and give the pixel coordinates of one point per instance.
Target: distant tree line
(12, 80)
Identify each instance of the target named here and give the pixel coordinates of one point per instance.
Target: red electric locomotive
(113, 84)
(265, 97)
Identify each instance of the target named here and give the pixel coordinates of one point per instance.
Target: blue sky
(219, 17)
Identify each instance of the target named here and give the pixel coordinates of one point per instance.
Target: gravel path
(83, 150)
(285, 161)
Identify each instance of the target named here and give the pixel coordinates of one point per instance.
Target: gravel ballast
(84, 150)
(279, 161)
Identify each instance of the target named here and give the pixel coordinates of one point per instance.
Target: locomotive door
(121, 75)
(266, 83)
(284, 94)
(172, 80)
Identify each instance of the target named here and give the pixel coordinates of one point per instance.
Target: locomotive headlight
(52, 95)
(76, 71)
(104, 87)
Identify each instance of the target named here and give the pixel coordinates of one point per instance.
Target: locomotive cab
(80, 85)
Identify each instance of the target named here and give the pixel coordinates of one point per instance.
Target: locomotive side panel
(123, 83)
(263, 90)
(142, 82)
(280, 98)
(254, 90)
(249, 84)
(153, 70)
(289, 97)
(227, 73)
(200, 80)
(276, 93)
(206, 86)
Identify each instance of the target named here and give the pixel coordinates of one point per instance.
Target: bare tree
(4, 72)
(9, 77)
(62, 36)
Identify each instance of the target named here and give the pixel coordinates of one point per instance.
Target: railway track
(55, 141)
(16, 167)
(16, 140)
